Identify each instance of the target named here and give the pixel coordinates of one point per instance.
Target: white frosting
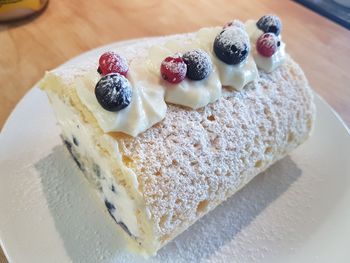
(190, 93)
(235, 76)
(267, 64)
(147, 105)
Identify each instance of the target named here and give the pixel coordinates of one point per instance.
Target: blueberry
(125, 228)
(96, 168)
(270, 24)
(111, 209)
(75, 141)
(113, 92)
(198, 64)
(68, 145)
(81, 167)
(232, 45)
(110, 206)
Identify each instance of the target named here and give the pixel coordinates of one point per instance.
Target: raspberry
(267, 44)
(111, 62)
(173, 69)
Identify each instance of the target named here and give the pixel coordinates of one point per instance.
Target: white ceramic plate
(297, 211)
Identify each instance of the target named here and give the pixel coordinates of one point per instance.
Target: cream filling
(147, 105)
(125, 207)
(235, 76)
(267, 64)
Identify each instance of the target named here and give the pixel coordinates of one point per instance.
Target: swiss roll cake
(165, 129)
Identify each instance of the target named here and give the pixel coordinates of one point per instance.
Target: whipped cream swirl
(189, 93)
(268, 64)
(234, 76)
(147, 105)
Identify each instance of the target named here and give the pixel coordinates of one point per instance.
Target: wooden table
(68, 28)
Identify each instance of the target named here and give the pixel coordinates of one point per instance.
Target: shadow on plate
(89, 236)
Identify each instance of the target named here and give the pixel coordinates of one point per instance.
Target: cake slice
(168, 153)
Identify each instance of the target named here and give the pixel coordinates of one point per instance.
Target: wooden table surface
(67, 28)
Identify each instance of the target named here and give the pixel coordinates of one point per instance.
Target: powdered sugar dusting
(208, 154)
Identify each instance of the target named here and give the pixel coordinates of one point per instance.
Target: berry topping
(111, 62)
(113, 92)
(173, 69)
(235, 22)
(270, 24)
(198, 64)
(267, 44)
(232, 45)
